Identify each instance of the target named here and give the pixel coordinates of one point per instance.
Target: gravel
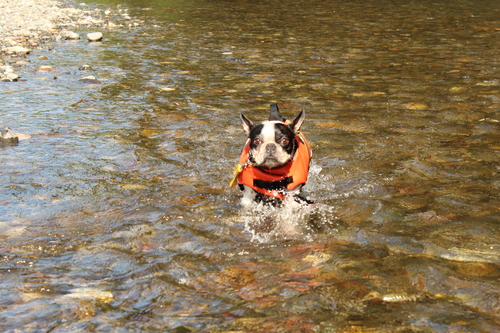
(29, 24)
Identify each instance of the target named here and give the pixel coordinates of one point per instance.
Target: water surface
(117, 216)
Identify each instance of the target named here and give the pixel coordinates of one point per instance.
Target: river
(116, 215)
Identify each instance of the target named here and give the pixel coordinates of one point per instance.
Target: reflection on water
(116, 214)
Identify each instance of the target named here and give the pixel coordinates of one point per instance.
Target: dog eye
(257, 141)
(284, 141)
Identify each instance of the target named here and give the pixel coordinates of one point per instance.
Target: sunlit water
(117, 216)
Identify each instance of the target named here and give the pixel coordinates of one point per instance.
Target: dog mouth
(270, 159)
(271, 162)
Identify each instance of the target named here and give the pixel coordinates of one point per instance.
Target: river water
(116, 215)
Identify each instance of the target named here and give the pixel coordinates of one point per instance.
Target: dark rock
(8, 137)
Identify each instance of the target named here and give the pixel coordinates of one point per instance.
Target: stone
(90, 79)
(94, 37)
(7, 69)
(17, 50)
(8, 137)
(417, 106)
(9, 77)
(33, 24)
(22, 136)
(70, 35)
(85, 68)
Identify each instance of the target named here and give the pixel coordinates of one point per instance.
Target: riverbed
(116, 215)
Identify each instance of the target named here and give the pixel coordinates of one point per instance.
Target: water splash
(290, 221)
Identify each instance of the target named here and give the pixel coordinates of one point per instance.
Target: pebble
(90, 79)
(9, 77)
(8, 137)
(417, 106)
(31, 24)
(46, 68)
(94, 37)
(7, 69)
(19, 50)
(35, 24)
(87, 293)
(70, 35)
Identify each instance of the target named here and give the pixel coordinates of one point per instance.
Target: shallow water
(117, 216)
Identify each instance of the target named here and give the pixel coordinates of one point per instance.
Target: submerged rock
(90, 79)
(45, 68)
(88, 293)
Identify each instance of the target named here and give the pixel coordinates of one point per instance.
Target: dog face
(272, 143)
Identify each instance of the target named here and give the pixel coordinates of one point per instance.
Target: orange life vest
(275, 182)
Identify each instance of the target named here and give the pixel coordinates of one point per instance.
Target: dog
(274, 163)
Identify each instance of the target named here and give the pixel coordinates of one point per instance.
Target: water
(117, 216)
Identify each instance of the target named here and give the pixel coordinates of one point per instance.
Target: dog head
(272, 143)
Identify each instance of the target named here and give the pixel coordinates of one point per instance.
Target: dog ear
(275, 113)
(247, 124)
(297, 122)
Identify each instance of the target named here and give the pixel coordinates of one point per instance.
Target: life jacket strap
(273, 185)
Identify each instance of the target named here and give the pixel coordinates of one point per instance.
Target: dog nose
(270, 148)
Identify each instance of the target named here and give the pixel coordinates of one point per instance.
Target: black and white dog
(274, 163)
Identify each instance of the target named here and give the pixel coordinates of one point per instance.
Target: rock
(90, 79)
(43, 58)
(31, 24)
(7, 69)
(94, 37)
(89, 294)
(22, 137)
(8, 137)
(417, 106)
(85, 68)
(9, 77)
(17, 50)
(70, 35)
(489, 83)
(46, 68)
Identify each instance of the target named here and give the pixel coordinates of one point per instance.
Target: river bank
(29, 25)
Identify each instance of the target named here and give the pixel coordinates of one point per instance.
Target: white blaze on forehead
(268, 132)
